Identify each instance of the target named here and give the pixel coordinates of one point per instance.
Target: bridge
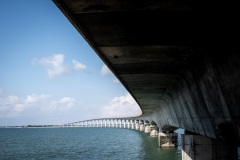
(114, 122)
(179, 59)
(165, 138)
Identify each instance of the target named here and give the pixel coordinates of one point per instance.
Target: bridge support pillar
(147, 129)
(137, 125)
(112, 123)
(197, 147)
(154, 133)
(142, 127)
(167, 139)
(133, 125)
(129, 124)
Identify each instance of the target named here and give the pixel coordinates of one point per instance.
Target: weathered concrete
(197, 147)
(137, 126)
(178, 59)
(168, 139)
(154, 133)
(147, 129)
(128, 126)
(142, 127)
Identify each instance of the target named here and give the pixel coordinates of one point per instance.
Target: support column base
(168, 139)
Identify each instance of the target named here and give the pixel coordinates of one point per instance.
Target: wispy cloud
(11, 106)
(66, 103)
(34, 98)
(105, 70)
(123, 106)
(78, 66)
(116, 81)
(55, 65)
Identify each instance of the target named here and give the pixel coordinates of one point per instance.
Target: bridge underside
(178, 59)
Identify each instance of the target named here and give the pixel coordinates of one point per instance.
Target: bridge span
(179, 59)
(165, 138)
(114, 122)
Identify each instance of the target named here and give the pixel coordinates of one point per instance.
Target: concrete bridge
(165, 138)
(137, 124)
(179, 59)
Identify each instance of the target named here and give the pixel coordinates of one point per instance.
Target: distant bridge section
(109, 122)
(126, 122)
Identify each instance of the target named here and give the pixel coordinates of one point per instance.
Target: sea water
(81, 144)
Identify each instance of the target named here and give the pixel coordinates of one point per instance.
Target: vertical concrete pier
(129, 124)
(137, 125)
(124, 123)
(154, 133)
(142, 127)
(112, 123)
(147, 129)
(116, 123)
(167, 139)
(132, 124)
(197, 147)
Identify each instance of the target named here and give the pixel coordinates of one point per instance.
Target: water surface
(82, 144)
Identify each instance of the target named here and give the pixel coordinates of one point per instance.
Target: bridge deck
(178, 59)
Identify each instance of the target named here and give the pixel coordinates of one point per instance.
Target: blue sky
(48, 73)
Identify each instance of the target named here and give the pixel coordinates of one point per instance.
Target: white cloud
(55, 65)
(124, 106)
(67, 100)
(14, 106)
(66, 103)
(12, 99)
(78, 66)
(116, 81)
(33, 98)
(105, 70)
(20, 107)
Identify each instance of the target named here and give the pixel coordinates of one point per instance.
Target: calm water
(82, 144)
